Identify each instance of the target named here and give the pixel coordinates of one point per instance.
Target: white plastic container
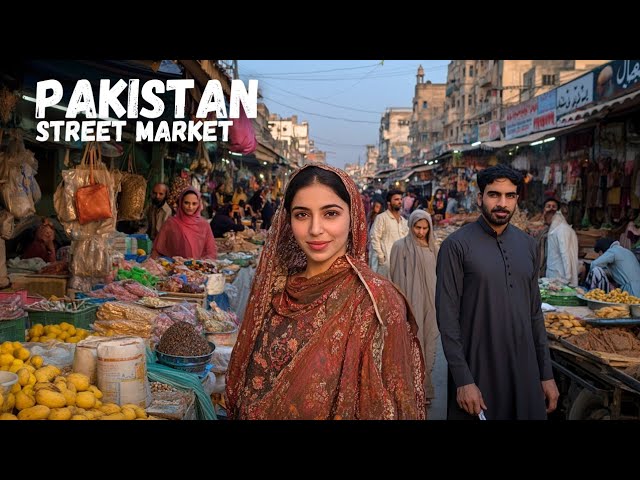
(122, 371)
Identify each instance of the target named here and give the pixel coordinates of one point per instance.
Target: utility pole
(235, 70)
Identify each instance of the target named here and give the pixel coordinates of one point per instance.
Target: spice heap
(183, 340)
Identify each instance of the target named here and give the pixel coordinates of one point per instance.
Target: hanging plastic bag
(17, 172)
(6, 224)
(90, 257)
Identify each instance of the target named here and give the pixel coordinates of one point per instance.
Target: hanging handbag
(92, 201)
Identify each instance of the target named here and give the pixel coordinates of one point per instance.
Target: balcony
(451, 116)
(452, 87)
(485, 78)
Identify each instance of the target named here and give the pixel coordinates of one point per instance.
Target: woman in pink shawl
(186, 234)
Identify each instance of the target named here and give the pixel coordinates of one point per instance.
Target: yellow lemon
(37, 361)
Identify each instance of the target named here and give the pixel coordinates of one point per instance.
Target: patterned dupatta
(340, 345)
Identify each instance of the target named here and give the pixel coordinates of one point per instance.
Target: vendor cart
(591, 388)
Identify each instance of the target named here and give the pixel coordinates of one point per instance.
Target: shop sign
(616, 78)
(520, 118)
(474, 133)
(546, 102)
(574, 95)
(546, 116)
(489, 131)
(544, 121)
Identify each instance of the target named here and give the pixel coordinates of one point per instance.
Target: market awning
(528, 138)
(587, 112)
(384, 173)
(265, 154)
(405, 175)
(425, 168)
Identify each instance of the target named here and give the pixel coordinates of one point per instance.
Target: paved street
(438, 409)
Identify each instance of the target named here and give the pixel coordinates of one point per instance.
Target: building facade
(427, 126)
(394, 137)
(479, 91)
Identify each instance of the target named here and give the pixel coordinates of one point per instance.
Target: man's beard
(158, 203)
(492, 219)
(396, 207)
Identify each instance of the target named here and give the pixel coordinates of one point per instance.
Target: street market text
(99, 126)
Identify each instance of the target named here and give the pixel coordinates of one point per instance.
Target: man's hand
(381, 260)
(551, 394)
(469, 399)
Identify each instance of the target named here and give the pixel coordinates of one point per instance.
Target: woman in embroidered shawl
(324, 337)
(413, 269)
(186, 234)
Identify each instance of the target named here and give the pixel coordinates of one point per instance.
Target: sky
(353, 93)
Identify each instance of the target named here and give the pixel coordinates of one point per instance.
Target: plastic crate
(13, 330)
(80, 319)
(143, 242)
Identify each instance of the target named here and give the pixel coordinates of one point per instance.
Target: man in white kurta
(562, 251)
(388, 227)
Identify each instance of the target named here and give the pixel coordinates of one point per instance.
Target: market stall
(595, 353)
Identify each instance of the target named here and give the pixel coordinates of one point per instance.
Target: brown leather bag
(93, 202)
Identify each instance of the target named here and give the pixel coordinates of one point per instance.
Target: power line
(349, 88)
(338, 144)
(320, 115)
(324, 103)
(323, 71)
(401, 70)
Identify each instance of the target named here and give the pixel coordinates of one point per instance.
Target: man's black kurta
(491, 322)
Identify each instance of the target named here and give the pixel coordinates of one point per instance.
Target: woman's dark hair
(552, 199)
(312, 175)
(602, 244)
(491, 174)
(372, 213)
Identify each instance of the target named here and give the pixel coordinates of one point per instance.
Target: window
(424, 104)
(548, 79)
(457, 103)
(464, 71)
(284, 129)
(470, 72)
(425, 137)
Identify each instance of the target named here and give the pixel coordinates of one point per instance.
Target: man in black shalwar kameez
(489, 312)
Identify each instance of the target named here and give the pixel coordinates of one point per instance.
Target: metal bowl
(597, 304)
(226, 339)
(196, 364)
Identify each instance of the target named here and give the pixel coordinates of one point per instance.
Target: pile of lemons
(63, 332)
(42, 393)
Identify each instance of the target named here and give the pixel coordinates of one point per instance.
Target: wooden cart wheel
(588, 406)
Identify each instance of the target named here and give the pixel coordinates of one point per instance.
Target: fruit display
(564, 324)
(614, 296)
(63, 332)
(43, 393)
